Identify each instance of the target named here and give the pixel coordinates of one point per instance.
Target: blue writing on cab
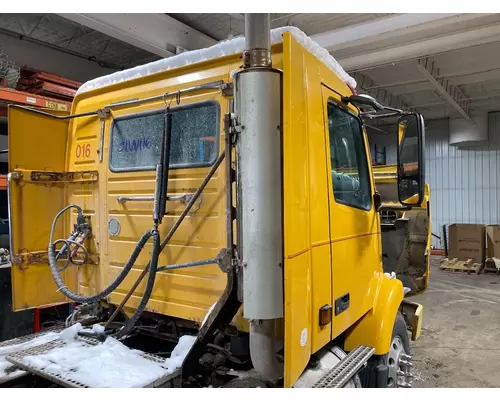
(135, 145)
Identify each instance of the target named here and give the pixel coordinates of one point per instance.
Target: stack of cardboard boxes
(467, 242)
(493, 241)
(474, 242)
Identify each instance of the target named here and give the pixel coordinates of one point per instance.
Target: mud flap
(221, 316)
(375, 374)
(413, 315)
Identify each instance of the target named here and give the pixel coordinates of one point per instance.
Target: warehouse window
(350, 173)
(136, 138)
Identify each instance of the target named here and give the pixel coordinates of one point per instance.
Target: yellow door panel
(36, 142)
(34, 139)
(353, 260)
(321, 267)
(321, 294)
(354, 225)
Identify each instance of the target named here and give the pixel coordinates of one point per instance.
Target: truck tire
(382, 370)
(400, 345)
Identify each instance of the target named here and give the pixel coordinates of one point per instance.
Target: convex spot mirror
(411, 172)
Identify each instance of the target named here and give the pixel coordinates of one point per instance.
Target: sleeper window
(136, 138)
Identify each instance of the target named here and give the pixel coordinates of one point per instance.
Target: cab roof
(224, 48)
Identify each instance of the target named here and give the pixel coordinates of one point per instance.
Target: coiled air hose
(128, 266)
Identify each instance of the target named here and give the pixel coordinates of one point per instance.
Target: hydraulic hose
(158, 213)
(153, 266)
(96, 297)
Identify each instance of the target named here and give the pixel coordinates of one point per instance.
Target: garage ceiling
(60, 33)
(443, 65)
(221, 26)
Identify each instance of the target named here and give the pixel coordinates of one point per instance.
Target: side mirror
(411, 171)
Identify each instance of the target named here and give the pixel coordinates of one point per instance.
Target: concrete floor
(460, 341)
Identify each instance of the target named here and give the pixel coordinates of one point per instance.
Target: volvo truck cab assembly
(231, 199)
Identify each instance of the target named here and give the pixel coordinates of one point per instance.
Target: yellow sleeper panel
(187, 293)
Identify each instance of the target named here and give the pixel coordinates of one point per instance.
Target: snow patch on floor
(417, 376)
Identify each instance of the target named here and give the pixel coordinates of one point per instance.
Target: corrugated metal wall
(465, 183)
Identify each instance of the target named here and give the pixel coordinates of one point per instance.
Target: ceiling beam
(415, 50)
(159, 34)
(473, 101)
(239, 17)
(452, 94)
(42, 56)
(460, 78)
(386, 28)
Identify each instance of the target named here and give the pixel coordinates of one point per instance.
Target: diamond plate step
(20, 340)
(339, 375)
(27, 338)
(17, 360)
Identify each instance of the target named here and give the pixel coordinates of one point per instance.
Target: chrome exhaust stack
(258, 91)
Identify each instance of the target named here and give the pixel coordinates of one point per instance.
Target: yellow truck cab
(230, 198)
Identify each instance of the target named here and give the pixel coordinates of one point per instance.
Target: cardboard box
(467, 241)
(493, 241)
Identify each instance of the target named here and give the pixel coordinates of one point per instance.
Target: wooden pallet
(457, 265)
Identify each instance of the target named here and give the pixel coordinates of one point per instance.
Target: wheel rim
(396, 355)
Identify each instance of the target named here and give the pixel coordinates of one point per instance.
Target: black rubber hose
(149, 287)
(96, 297)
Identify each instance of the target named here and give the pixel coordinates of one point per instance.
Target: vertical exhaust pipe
(257, 41)
(258, 109)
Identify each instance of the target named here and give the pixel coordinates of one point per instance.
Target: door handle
(123, 199)
(342, 304)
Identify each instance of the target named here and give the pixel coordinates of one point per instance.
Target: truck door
(354, 240)
(37, 148)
